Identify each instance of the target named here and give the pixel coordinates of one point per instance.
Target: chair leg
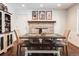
(63, 50)
(20, 51)
(17, 49)
(66, 50)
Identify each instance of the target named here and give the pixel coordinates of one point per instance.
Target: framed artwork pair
(42, 15)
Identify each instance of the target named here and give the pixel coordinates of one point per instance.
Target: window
(78, 21)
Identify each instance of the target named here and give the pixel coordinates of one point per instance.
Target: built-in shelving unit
(6, 41)
(0, 22)
(1, 43)
(9, 39)
(7, 23)
(6, 35)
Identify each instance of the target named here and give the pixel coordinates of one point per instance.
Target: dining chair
(64, 42)
(17, 39)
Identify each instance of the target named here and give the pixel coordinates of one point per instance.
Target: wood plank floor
(72, 51)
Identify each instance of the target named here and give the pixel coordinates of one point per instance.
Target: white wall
(21, 21)
(60, 17)
(72, 24)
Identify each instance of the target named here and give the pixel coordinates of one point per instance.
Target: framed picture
(34, 15)
(42, 15)
(49, 15)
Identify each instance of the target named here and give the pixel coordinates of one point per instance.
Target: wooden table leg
(63, 50)
(20, 50)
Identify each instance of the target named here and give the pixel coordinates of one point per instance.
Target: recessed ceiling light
(23, 5)
(58, 5)
(41, 5)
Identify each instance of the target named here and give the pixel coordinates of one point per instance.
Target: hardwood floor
(72, 51)
(11, 51)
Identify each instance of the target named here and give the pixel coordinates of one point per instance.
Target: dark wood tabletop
(52, 36)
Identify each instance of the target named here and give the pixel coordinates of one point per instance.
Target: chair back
(17, 36)
(66, 34)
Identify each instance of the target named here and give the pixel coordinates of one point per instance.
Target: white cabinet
(6, 41)
(6, 35)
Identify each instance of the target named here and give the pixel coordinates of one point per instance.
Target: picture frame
(49, 15)
(42, 15)
(35, 15)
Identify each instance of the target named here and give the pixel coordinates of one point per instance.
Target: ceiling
(18, 6)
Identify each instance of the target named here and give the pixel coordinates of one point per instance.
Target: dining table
(52, 37)
(49, 35)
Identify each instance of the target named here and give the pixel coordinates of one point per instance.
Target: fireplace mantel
(41, 21)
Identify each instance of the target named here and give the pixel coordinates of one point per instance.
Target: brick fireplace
(39, 27)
